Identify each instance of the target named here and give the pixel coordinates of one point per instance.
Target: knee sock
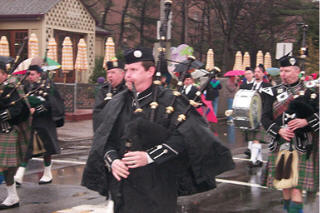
(23, 165)
(295, 207)
(286, 204)
(47, 160)
(8, 175)
(1, 177)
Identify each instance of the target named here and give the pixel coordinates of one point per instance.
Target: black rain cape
(207, 156)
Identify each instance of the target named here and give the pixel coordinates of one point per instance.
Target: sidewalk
(75, 131)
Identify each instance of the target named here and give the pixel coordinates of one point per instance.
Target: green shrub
(98, 70)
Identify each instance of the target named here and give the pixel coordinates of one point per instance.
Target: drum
(247, 109)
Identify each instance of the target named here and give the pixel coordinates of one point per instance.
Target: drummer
(248, 74)
(254, 137)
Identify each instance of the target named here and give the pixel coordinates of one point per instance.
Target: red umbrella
(233, 73)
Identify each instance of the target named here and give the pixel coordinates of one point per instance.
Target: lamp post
(303, 49)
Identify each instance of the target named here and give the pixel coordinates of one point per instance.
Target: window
(59, 37)
(15, 40)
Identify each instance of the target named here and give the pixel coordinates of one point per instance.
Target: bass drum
(247, 109)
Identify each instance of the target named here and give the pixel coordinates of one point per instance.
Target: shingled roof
(16, 8)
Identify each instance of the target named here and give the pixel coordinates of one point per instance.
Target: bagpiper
(291, 119)
(113, 85)
(150, 160)
(47, 110)
(14, 114)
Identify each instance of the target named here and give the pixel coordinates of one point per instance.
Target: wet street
(239, 190)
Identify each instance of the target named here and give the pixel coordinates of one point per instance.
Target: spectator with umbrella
(232, 87)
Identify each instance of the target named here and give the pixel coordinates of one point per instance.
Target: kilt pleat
(13, 145)
(8, 149)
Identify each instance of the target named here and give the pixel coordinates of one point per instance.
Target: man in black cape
(149, 163)
(113, 85)
(47, 109)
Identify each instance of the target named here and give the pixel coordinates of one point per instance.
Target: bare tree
(122, 22)
(107, 5)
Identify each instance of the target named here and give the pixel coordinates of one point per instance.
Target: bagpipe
(8, 92)
(31, 97)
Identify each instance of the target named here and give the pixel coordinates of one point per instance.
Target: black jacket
(192, 92)
(305, 106)
(212, 92)
(250, 86)
(43, 122)
(100, 101)
(201, 158)
(246, 86)
(17, 112)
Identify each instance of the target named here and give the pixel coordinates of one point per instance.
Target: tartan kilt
(13, 145)
(308, 169)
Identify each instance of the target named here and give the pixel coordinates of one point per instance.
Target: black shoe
(41, 182)
(256, 164)
(248, 153)
(2, 206)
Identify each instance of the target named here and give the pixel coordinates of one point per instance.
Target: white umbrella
(259, 58)
(67, 55)
(82, 58)
(52, 49)
(238, 61)
(110, 51)
(33, 46)
(210, 60)
(4, 46)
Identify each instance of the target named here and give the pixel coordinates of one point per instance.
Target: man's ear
(152, 70)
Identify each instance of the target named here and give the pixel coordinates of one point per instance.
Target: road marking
(100, 208)
(245, 159)
(240, 183)
(62, 161)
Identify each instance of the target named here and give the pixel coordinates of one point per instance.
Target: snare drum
(247, 109)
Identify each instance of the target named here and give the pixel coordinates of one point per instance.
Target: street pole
(303, 49)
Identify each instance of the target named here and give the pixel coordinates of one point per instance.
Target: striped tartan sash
(280, 107)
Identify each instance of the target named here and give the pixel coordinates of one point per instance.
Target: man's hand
(286, 133)
(297, 123)
(32, 110)
(119, 169)
(135, 159)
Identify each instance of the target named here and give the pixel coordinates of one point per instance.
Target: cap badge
(137, 54)
(115, 64)
(280, 90)
(292, 61)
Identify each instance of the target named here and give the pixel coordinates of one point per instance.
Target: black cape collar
(295, 84)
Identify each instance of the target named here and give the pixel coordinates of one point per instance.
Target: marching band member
(291, 119)
(248, 74)
(189, 89)
(113, 85)
(146, 158)
(45, 101)
(14, 114)
(256, 135)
